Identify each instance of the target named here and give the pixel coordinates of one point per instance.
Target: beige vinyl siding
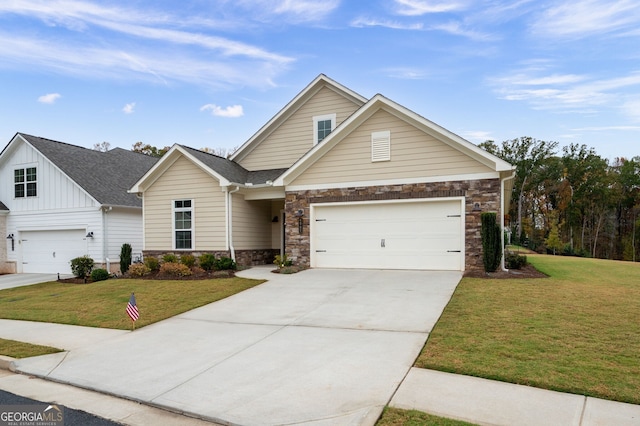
(185, 181)
(294, 137)
(414, 154)
(251, 223)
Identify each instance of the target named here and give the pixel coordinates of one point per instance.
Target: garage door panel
(398, 235)
(51, 251)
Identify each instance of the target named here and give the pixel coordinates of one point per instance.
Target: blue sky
(209, 73)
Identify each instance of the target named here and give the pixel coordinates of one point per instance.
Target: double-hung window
(183, 224)
(25, 182)
(322, 126)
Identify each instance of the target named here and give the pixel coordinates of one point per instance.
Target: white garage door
(388, 235)
(51, 251)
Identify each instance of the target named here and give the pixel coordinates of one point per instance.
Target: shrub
(170, 258)
(207, 261)
(125, 257)
(515, 260)
(282, 261)
(99, 274)
(175, 269)
(491, 253)
(139, 269)
(225, 263)
(188, 260)
(152, 263)
(81, 266)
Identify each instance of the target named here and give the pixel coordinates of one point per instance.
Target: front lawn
(577, 331)
(103, 303)
(15, 349)
(397, 417)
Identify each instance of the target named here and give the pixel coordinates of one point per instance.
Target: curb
(7, 363)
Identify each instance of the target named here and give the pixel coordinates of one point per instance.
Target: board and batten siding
(55, 191)
(414, 154)
(123, 226)
(294, 137)
(185, 181)
(251, 224)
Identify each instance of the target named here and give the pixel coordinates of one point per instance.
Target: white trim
(318, 118)
(408, 181)
(312, 219)
(192, 209)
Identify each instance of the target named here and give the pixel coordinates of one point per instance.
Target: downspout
(105, 237)
(502, 181)
(230, 221)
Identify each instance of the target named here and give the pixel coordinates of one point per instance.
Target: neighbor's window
(25, 181)
(183, 224)
(322, 126)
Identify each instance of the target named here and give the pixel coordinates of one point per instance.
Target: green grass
(577, 331)
(103, 303)
(398, 417)
(16, 349)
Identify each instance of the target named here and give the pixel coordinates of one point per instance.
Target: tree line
(572, 202)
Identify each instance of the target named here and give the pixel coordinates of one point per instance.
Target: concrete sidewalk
(320, 347)
(489, 402)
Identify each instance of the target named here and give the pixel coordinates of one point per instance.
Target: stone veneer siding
(243, 257)
(486, 193)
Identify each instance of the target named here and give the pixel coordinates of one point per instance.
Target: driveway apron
(318, 347)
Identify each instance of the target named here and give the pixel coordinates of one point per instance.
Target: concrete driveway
(19, 280)
(318, 347)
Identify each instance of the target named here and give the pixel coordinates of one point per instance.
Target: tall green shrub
(491, 253)
(125, 257)
(82, 266)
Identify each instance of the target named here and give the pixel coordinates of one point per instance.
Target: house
(333, 180)
(59, 201)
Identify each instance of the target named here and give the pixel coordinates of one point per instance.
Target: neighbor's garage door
(388, 235)
(51, 251)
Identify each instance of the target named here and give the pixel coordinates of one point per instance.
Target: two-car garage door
(415, 234)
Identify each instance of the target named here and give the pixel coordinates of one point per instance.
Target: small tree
(125, 257)
(82, 266)
(491, 250)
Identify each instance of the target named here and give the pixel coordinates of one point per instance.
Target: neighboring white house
(60, 201)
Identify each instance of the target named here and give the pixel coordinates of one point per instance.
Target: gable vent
(381, 146)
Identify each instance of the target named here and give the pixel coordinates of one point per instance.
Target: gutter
(502, 181)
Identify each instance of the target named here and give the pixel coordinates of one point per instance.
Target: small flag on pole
(132, 308)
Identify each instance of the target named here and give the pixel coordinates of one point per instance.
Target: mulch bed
(527, 271)
(196, 275)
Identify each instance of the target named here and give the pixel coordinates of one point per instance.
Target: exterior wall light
(13, 241)
(476, 207)
(89, 234)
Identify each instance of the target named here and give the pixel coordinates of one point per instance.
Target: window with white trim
(183, 224)
(381, 146)
(25, 182)
(322, 126)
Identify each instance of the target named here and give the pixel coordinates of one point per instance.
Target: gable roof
(105, 176)
(3, 207)
(227, 172)
(375, 104)
(318, 83)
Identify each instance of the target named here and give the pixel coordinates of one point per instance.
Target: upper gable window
(322, 126)
(25, 182)
(183, 224)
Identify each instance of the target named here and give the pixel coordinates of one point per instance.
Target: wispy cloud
(232, 111)
(211, 59)
(422, 7)
(477, 136)
(580, 18)
(290, 11)
(128, 108)
(49, 98)
(406, 73)
(385, 23)
(459, 29)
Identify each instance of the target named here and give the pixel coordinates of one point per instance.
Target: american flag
(132, 308)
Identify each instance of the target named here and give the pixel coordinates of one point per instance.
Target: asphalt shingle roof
(3, 207)
(106, 176)
(233, 171)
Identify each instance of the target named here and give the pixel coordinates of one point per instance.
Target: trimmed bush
(491, 252)
(207, 261)
(282, 261)
(515, 261)
(175, 269)
(81, 266)
(170, 258)
(188, 260)
(152, 263)
(125, 257)
(99, 275)
(139, 269)
(225, 263)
